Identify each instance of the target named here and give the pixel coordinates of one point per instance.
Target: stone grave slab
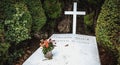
(81, 50)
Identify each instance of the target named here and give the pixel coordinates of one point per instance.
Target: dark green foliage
(4, 52)
(52, 8)
(18, 23)
(95, 2)
(89, 19)
(38, 15)
(89, 22)
(1, 32)
(108, 27)
(2, 15)
(14, 56)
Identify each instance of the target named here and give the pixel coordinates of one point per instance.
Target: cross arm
(81, 13)
(68, 12)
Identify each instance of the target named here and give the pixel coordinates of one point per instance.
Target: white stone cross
(75, 13)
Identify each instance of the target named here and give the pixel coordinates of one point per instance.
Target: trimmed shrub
(4, 52)
(38, 15)
(108, 27)
(17, 23)
(1, 32)
(52, 8)
(89, 22)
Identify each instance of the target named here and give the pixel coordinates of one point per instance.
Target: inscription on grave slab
(68, 38)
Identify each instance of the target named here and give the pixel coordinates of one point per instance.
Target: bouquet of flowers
(47, 47)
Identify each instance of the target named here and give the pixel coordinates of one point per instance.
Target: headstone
(74, 13)
(80, 50)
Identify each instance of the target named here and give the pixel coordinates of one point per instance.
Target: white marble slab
(81, 50)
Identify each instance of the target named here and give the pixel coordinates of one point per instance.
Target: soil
(29, 50)
(105, 57)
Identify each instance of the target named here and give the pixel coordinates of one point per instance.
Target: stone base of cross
(74, 13)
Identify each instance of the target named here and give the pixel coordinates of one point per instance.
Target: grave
(80, 49)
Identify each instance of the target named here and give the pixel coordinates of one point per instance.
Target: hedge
(108, 27)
